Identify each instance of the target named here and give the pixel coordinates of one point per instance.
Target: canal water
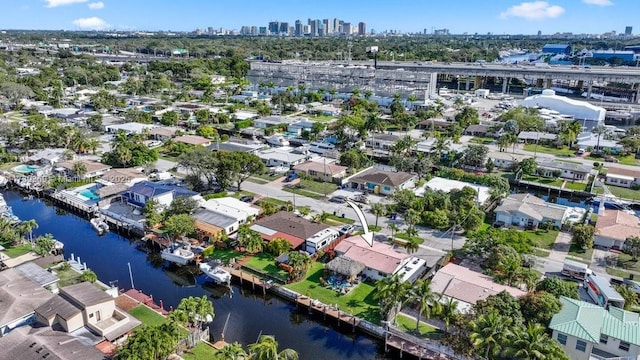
(251, 314)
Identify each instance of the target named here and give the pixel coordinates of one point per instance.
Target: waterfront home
(285, 225)
(213, 225)
(92, 169)
(381, 259)
(323, 109)
(130, 128)
(17, 309)
(567, 170)
(383, 182)
(533, 137)
(614, 227)
(236, 146)
(622, 177)
(276, 157)
(446, 185)
(85, 305)
(324, 170)
(193, 140)
(526, 210)
(505, 160)
(143, 191)
(587, 331)
(48, 156)
(240, 211)
(467, 286)
(128, 176)
(162, 133)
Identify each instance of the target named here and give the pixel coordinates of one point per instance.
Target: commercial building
(591, 115)
(557, 49)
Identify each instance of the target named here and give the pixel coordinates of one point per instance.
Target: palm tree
(412, 217)
(392, 293)
(411, 246)
(254, 242)
(529, 343)
(426, 299)
(267, 349)
(569, 131)
(300, 263)
(80, 169)
(231, 352)
(378, 209)
(26, 227)
(44, 244)
(448, 312)
(394, 228)
(490, 332)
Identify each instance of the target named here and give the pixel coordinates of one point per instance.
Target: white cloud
(537, 10)
(96, 5)
(91, 23)
(598, 2)
(56, 3)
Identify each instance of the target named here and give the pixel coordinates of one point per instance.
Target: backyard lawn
(225, 255)
(147, 316)
(579, 186)
(543, 239)
(408, 325)
(15, 251)
(542, 180)
(359, 301)
(581, 253)
(68, 276)
(202, 351)
(564, 151)
(265, 262)
(624, 193)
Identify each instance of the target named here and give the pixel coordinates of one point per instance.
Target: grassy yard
(404, 236)
(543, 239)
(68, 277)
(305, 193)
(542, 180)
(564, 151)
(625, 193)
(408, 325)
(540, 253)
(628, 160)
(336, 220)
(581, 253)
(359, 301)
(265, 263)
(578, 186)
(256, 180)
(276, 202)
(617, 272)
(482, 140)
(626, 262)
(268, 176)
(15, 251)
(202, 351)
(239, 194)
(323, 118)
(225, 255)
(147, 316)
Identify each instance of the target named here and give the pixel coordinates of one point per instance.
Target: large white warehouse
(580, 110)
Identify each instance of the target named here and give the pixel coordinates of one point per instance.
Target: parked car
(340, 199)
(247, 198)
(292, 176)
(361, 199)
(347, 230)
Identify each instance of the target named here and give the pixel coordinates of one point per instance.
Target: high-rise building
(298, 28)
(328, 26)
(346, 28)
(262, 30)
(306, 30)
(274, 27)
(628, 30)
(362, 29)
(284, 28)
(336, 25)
(254, 30)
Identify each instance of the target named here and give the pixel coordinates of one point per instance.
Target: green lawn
(239, 194)
(618, 273)
(68, 277)
(202, 351)
(579, 186)
(268, 176)
(408, 325)
(15, 251)
(225, 255)
(540, 253)
(147, 316)
(276, 202)
(597, 190)
(301, 192)
(578, 252)
(625, 193)
(564, 151)
(482, 140)
(543, 180)
(257, 181)
(543, 239)
(318, 186)
(265, 263)
(359, 301)
(404, 236)
(626, 262)
(338, 220)
(628, 160)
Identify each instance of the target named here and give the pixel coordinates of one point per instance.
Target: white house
(280, 157)
(269, 121)
(384, 142)
(622, 177)
(300, 125)
(505, 160)
(130, 128)
(528, 210)
(589, 332)
(143, 191)
(589, 140)
(567, 170)
(48, 156)
(232, 207)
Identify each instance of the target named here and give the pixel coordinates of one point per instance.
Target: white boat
(99, 225)
(215, 272)
(3, 181)
(58, 245)
(277, 140)
(321, 147)
(178, 254)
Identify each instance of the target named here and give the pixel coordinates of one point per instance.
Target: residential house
(446, 185)
(614, 227)
(244, 115)
(322, 171)
(435, 124)
(622, 177)
(128, 176)
(193, 140)
(162, 133)
(567, 170)
(382, 143)
(530, 211)
(240, 211)
(92, 168)
(143, 191)
(285, 225)
(130, 128)
(323, 109)
(589, 332)
(477, 130)
(467, 286)
(300, 125)
(85, 305)
(382, 181)
(236, 146)
(598, 143)
(505, 160)
(269, 121)
(274, 157)
(48, 156)
(212, 224)
(533, 137)
(381, 259)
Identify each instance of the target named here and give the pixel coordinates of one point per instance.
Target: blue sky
(472, 16)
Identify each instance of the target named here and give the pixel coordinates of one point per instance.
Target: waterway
(251, 313)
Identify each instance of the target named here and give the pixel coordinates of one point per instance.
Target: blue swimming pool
(26, 169)
(89, 194)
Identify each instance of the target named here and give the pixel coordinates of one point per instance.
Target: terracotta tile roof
(192, 140)
(320, 167)
(381, 257)
(617, 224)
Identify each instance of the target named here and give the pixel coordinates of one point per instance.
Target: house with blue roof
(163, 193)
(589, 332)
(557, 49)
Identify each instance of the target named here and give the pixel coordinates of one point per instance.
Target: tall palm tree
(300, 263)
(394, 228)
(392, 293)
(378, 209)
(426, 299)
(267, 349)
(80, 169)
(411, 246)
(254, 243)
(529, 343)
(489, 333)
(448, 312)
(25, 227)
(412, 217)
(231, 352)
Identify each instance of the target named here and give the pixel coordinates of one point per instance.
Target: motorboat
(277, 140)
(215, 272)
(321, 147)
(99, 225)
(180, 254)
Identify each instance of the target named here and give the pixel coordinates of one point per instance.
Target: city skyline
(468, 16)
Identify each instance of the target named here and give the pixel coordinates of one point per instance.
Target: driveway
(561, 247)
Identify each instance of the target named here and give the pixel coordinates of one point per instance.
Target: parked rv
(575, 270)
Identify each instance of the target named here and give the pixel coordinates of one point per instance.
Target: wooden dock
(329, 311)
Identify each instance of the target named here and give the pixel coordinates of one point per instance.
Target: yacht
(180, 254)
(321, 147)
(277, 140)
(215, 272)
